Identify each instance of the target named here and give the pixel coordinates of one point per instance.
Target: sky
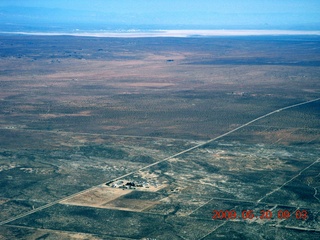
(159, 14)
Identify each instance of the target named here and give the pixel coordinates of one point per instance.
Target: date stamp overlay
(263, 214)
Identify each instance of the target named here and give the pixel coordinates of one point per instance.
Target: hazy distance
(117, 15)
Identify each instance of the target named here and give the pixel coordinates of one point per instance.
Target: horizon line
(169, 33)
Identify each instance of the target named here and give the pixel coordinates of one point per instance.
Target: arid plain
(144, 138)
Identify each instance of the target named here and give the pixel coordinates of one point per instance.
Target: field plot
(97, 197)
(145, 138)
(107, 197)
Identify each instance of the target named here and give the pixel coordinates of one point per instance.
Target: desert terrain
(144, 138)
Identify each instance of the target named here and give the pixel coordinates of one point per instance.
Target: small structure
(130, 184)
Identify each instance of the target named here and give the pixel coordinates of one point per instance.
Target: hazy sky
(259, 14)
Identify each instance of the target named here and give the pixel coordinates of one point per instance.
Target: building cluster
(132, 184)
